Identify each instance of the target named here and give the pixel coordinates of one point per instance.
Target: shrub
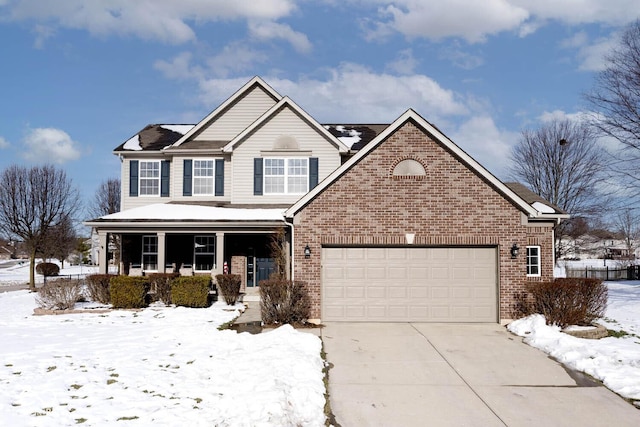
(569, 301)
(98, 287)
(47, 269)
(129, 291)
(229, 287)
(59, 294)
(284, 301)
(191, 291)
(161, 286)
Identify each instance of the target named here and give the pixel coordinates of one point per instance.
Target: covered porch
(233, 242)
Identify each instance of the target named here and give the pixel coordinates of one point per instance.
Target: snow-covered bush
(61, 294)
(191, 291)
(229, 287)
(565, 301)
(98, 287)
(284, 301)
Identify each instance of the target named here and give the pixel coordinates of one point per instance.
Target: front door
(264, 268)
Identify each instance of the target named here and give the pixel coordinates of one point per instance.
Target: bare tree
(107, 198)
(562, 162)
(615, 100)
(107, 201)
(628, 227)
(31, 202)
(59, 241)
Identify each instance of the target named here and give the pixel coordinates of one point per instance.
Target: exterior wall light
(514, 251)
(307, 251)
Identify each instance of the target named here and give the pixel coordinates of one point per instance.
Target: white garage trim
(402, 284)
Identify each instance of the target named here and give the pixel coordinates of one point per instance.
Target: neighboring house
(384, 223)
(600, 247)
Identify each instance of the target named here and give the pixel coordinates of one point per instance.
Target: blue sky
(80, 77)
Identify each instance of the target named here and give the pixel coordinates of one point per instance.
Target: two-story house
(384, 222)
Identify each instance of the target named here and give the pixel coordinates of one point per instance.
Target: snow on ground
(16, 272)
(162, 366)
(614, 361)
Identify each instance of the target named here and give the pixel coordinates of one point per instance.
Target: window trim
(530, 265)
(141, 178)
(142, 263)
(286, 175)
(193, 176)
(214, 253)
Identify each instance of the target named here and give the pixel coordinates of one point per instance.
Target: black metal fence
(606, 273)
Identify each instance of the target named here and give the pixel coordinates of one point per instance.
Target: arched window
(409, 167)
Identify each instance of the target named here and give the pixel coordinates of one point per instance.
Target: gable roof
(411, 115)
(283, 103)
(256, 81)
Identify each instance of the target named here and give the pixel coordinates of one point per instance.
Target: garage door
(409, 284)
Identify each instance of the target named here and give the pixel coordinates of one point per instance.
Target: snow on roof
(176, 212)
(354, 136)
(181, 129)
(133, 143)
(541, 207)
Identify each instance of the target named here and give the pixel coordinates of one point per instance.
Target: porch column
(103, 252)
(219, 254)
(161, 252)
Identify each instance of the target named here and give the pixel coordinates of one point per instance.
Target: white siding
(177, 176)
(238, 117)
(285, 122)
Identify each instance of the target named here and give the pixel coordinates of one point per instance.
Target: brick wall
(450, 205)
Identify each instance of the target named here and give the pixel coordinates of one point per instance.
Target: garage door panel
(409, 284)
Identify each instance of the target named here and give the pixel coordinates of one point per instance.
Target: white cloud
(236, 57)
(405, 63)
(549, 116)
(592, 56)
(574, 12)
(353, 93)
(486, 143)
(179, 68)
(167, 21)
(267, 30)
(438, 19)
(3, 143)
(50, 145)
(474, 20)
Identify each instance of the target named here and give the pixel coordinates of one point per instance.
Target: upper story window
(533, 261)
(203, 177)
(286, 176)
(149, 178)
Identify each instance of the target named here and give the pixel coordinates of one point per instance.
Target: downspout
(292, 250)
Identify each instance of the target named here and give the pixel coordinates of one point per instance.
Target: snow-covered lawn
(614, 361)
(162, 366)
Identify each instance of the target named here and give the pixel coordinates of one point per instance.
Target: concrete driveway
(418, 374)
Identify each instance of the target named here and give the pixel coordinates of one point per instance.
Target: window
(150, 253)
(204, 252)
(286, 176)
(149, 178)
(203, 176)
(533, 260)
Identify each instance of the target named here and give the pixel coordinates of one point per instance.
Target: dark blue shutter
(133, 178)
(257, 176)
(164, 178)
(219, 177)
(186, 178)
(313, 172)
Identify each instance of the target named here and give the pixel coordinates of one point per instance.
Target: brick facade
(451, 205)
